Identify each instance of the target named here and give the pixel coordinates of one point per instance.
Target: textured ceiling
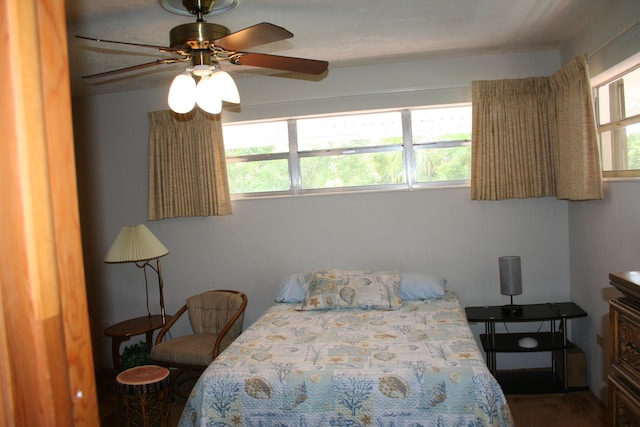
(343, 32)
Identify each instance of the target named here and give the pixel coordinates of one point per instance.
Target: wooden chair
(216, 319)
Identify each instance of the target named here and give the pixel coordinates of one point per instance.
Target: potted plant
(135, 355)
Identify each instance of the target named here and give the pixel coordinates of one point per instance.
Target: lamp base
(512, 309)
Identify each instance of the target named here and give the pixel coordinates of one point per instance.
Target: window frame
(616, 123)
(407, 148)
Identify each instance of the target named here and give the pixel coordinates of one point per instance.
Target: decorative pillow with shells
(339, 289)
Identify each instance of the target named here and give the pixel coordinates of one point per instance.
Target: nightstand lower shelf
(547, 341)
(532, 381)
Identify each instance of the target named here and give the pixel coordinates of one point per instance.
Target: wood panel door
(46, 365)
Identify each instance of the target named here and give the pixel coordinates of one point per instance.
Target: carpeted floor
(576, 409)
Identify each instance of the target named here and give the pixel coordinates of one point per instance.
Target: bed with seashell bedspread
(417, 365)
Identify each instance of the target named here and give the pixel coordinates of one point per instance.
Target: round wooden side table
(126, 329)
(144, 396)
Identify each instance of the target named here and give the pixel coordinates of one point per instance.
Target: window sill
(621, 175)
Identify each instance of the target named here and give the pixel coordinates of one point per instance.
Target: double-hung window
(350, 152)
(618, 114)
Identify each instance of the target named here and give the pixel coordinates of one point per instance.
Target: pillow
(291, 290)
(413, 286)
(417, 286)
(336, 289)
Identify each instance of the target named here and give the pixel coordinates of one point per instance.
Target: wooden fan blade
(160, 48)
(285, 63)
(135, 67)
(256, 35)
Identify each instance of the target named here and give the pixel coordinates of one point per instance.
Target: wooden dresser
(624, 378)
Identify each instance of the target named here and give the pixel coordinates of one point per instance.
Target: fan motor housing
(196, 35)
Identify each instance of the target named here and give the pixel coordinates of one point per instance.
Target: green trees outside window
(388, 149)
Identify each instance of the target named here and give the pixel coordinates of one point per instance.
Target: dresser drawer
(624, 406)
(625, 342)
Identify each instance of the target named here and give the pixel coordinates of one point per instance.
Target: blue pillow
(417, 286)
(292, 289)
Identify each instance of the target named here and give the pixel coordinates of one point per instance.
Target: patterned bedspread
(416, 366)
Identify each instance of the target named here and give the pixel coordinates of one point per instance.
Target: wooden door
(46, 365)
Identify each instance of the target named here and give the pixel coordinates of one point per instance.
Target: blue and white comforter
(416, 366)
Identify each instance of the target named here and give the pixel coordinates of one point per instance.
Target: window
(442, 143)
(257, 157)
(350, 152)
(618, 115)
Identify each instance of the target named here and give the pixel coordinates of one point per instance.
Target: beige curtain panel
(536, 137)
(187, 166)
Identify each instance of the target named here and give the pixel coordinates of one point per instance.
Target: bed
(352, 349)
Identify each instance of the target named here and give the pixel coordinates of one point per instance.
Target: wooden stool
(144, 395)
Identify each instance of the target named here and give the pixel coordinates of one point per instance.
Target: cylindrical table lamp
(510, 280)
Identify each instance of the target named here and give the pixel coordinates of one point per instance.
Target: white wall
(605, 238)
(604, 235)
(428, 82)
(265, 240)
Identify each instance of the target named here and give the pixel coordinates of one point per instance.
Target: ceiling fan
(203, 44)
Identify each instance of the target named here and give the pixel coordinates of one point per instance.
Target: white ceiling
(343, 32)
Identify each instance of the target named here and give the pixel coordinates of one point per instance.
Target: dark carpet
(575, 409)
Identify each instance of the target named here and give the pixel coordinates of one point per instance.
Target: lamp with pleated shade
(137, 244)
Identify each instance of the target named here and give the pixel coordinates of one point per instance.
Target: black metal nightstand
(554, 379)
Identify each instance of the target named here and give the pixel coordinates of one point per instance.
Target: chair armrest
(169, 324)
(227, 327)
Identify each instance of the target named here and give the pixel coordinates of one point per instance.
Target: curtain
(187, 167)
(536, 137)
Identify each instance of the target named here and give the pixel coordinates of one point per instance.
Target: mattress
(415, 366)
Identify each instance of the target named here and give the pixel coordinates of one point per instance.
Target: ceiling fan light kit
(182, 93)
(207, 98)
(213, 87)
(204, 44)
(226, 87)
(201, 70)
